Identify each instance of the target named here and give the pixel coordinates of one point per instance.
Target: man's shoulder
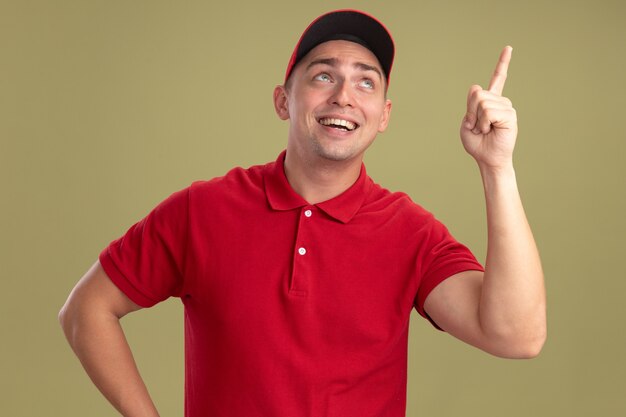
(381, 198)
(237, 178)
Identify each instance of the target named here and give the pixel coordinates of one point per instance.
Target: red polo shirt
(291, 309)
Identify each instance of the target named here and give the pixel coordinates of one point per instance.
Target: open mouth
(340, 124)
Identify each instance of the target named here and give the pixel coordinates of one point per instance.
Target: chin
(336, 153)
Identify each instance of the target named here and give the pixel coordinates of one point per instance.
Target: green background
(106, 107)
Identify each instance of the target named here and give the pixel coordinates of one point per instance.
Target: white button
(308, 213)
(301, 251)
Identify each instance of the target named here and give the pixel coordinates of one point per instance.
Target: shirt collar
(282, 197)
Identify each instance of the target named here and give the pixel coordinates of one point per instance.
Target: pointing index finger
(496, 85)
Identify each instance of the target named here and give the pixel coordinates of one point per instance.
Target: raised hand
(489, 128)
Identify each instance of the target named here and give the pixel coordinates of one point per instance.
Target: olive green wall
(106, 107)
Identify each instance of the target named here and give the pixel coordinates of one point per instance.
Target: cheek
(302, 106)
(308, 109)
(375, 115)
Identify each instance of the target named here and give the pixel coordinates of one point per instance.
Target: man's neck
(322, 180)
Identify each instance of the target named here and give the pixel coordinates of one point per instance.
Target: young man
(298, 277)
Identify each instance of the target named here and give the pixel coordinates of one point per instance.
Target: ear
(384, 120)
(280, 102)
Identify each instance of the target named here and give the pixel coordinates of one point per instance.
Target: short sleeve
(442, 257)
(147, 263)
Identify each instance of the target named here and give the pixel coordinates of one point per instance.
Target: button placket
(299, 279)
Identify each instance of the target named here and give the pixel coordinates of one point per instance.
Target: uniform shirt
(291, 309)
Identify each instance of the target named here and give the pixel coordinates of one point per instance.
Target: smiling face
(335, 101)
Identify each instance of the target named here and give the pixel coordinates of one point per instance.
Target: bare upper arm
(96, 292)
(453, 305)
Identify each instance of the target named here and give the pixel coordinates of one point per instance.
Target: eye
(367, 83)
(323, 77)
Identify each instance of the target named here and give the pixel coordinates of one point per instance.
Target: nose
(342, 95)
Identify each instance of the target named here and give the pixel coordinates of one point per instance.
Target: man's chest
(304, 271)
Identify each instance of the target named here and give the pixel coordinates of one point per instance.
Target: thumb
(469, 121)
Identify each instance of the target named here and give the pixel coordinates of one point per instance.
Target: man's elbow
(74, 317)
(67, 320)
(531, 349)
(528, 347)
(62, 317)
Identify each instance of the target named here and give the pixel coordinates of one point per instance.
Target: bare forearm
(512, 304)
(502, 310)
(98, 340)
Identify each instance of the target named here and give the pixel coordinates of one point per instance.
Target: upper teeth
(338, 122)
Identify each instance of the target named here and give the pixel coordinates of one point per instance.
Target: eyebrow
(334, 62)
